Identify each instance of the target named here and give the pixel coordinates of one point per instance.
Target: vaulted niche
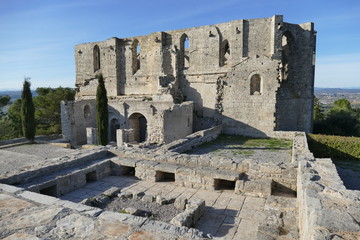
(138, 123)
(87, 111)
(255, 85)
(136, 51)
(96, 58)
(184, 52)
(224, 53)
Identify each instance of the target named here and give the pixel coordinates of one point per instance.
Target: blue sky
(37, 37)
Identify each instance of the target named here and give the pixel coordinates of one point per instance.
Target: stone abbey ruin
(180, 105)
(255, 77)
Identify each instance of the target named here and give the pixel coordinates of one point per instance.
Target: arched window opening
(138, 123)
(87, 112)
(255, 85)
(184, 52)
(224, 53)
(114, 125)
(287, 51)
(136, 52)
(96, 53)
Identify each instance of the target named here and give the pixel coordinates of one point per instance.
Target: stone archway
(138, 123)
(114, 125)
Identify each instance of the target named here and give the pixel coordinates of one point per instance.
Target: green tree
(102, 115)
(47, 108)
(341, 119)
(4, 100)
(14, 116)
(318, 110)
(342, 104)
(27, 111)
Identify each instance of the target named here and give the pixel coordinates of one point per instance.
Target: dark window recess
(164, 176)
(221, 184)
(91, 176)
(128, 171)
(50, 191)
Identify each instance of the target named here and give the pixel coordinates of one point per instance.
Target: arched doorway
(114, 125)
(138, 123)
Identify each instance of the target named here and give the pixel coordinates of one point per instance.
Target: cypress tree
(27, 111)
(102, 115)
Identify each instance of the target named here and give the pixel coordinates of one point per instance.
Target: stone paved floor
(227, 215)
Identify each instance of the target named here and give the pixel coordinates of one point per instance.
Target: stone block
(161, 200)
(112, 192)
(126, 195)
(39, 198)
(148, 198)
(91, 136)
(180, 203)
(182, 219)
(166, 167)
(10, 188)
(132, 211)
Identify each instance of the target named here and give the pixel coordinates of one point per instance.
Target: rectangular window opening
(50, 191)
(91, 177)
(221, 184)
(164, 176)
(127, 171)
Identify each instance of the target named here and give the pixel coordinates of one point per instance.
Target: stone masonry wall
(178, 121)
(327, 210)
(242, 74)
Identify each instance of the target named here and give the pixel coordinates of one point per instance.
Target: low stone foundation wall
(327, 210)
(192, 140)
(61, 219)
(192, 210)
(55, 165)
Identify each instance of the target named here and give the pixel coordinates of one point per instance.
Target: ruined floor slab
(227, 215)
(241, 148)
(23, 217)
(26, 156)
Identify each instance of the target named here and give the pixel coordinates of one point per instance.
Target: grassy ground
(239, 145)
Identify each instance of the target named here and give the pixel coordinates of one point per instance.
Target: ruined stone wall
(327, 209)
(178, 121)
(161, 118)
(152, 111)
(295, 96)
(254, 76)
(86, 70)
(76, 116)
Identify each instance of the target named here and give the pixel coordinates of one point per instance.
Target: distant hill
(15, 94)
(336, 90)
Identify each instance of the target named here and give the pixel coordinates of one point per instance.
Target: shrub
(336, 147)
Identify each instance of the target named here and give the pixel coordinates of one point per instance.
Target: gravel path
(153, 210)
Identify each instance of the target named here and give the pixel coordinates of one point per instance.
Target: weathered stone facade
(254, 76)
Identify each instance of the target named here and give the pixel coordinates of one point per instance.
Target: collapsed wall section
(178, 121)
(294, 99)
(76, 116)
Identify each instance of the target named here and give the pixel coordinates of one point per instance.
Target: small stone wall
(193, 140)
(47, 167)
(61, 219)
(192, 211)
(327, 210)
